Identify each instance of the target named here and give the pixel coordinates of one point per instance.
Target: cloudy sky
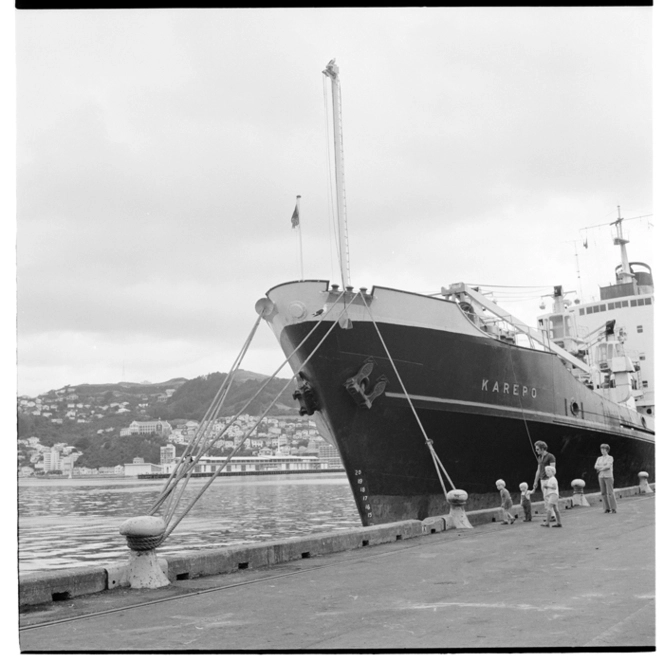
(160, 153)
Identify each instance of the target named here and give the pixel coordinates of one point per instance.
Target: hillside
(192, 399)
(90, 416)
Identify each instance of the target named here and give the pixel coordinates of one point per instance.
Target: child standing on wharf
(551, 494)
(505, 502)
(525, 502)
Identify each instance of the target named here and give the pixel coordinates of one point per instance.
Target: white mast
(332, 72)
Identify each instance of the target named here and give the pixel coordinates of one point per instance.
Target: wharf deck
(589, 585)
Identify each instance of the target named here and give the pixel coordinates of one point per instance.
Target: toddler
(525, 502)
(551, 494)
(505, 502)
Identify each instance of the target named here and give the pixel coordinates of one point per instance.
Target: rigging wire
(520, 287)
(427, 439)
(601, 225)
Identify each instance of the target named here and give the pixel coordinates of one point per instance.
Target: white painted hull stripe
(468, 403)
(514, 410)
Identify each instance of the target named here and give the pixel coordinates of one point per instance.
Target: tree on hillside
(25, 426)
(110, 451)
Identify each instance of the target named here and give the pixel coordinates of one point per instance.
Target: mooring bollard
(457, 517)
(579, 498)
(143, 536)
(644, 487)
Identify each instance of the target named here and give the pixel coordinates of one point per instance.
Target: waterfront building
(52, 460)
(117, 470)
(259, 463)
(328, 454)
(66, 464)
(167, 454)
(138, 468)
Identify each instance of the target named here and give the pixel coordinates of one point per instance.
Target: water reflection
(67, 523)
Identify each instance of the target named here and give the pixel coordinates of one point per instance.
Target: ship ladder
(147, 533)
(429, 442)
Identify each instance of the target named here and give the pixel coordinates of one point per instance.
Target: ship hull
(482, 402)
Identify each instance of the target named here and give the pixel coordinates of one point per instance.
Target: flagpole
(299, 234)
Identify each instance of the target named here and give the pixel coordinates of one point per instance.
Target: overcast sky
(160, 153)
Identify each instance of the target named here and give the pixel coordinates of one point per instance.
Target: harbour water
(68, 523)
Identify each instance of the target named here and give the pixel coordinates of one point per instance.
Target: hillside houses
(97, 417)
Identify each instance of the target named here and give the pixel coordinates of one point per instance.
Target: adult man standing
(604, 468)
(544, 459)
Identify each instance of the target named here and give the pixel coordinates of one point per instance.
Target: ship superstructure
(615, 334)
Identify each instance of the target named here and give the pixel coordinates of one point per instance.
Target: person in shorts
(551, 495)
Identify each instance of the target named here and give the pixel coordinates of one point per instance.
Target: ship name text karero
(509, 389)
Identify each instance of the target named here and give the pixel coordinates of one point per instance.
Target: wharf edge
(40, 588)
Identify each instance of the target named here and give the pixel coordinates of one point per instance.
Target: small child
(551, 494)
(505, 502)
(525, 502)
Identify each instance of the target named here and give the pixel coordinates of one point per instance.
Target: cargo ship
(425, 393)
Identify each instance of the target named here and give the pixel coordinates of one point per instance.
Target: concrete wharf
(589, 585)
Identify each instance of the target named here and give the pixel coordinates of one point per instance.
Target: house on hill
(162, 428)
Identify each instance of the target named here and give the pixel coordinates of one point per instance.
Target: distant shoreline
(143, 477)
(228, 474)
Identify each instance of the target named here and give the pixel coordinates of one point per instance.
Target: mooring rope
(523, 413)
(180, 470)
(436, 463)
(189, 459)
(220, 468)
(429, 442)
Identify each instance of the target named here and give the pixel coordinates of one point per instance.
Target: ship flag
(295, 224)
(295, 218)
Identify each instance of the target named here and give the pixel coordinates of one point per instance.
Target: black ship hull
(481, 401)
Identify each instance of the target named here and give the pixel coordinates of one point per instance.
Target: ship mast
(332, 72)
(619, 240)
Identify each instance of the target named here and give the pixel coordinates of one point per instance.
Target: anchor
(306, 396)
(357, 386)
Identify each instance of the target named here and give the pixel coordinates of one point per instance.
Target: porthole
(574, 407)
